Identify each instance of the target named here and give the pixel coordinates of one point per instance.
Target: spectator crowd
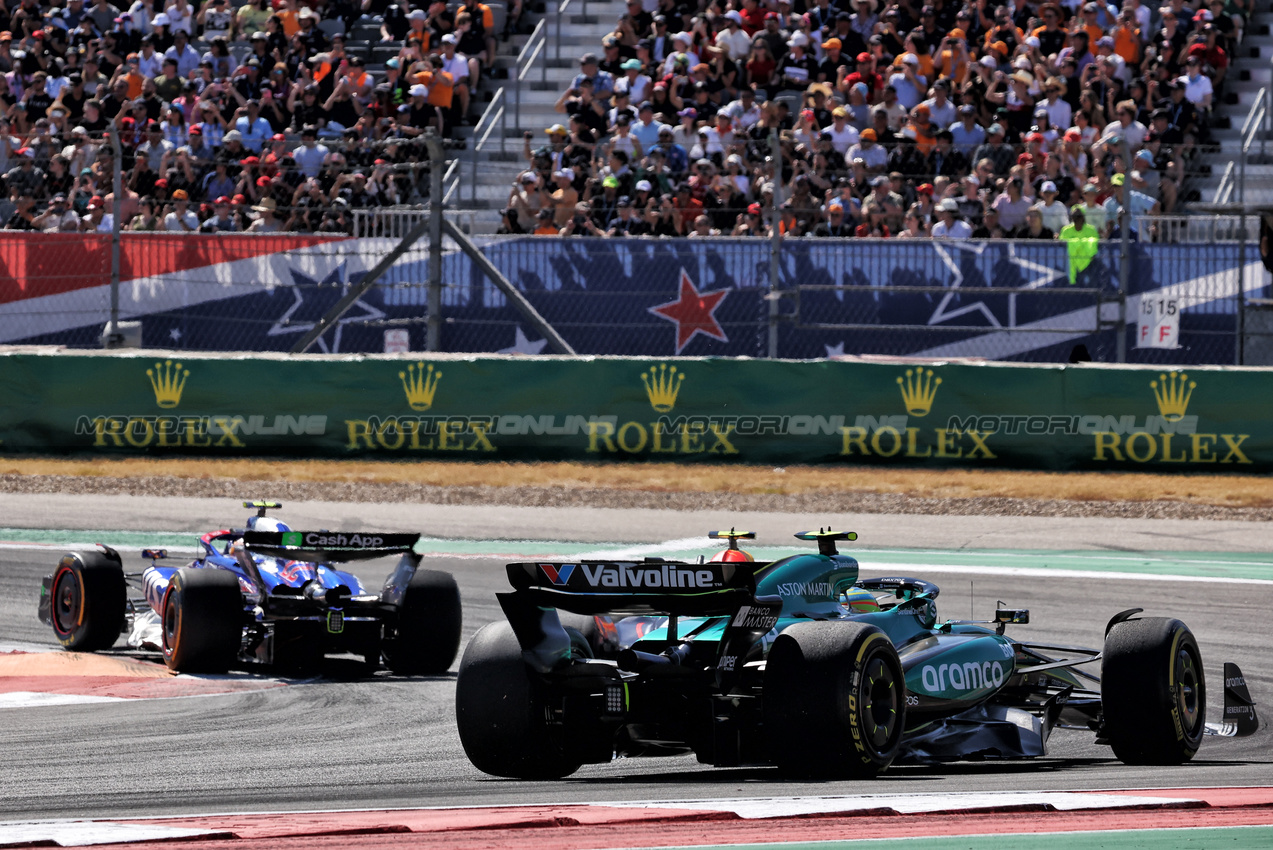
(878, 118)
(229, 116)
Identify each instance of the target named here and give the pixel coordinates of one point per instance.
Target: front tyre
(501, 713)
(88, 601)
(834, 700)
(427, 637)
(202, 620)
(1153, 692)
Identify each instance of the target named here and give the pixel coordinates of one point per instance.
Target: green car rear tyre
(834, 700)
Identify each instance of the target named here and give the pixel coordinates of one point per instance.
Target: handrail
(1253, 126)
(1234, 176)
(493, 116)
(531, 52)
(1224, 191)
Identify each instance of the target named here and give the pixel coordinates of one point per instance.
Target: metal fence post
(1239, 350)
(433, 322)
(775, 245)
(112, 338)
(1125, 258)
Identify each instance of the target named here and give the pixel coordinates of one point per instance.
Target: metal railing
(1254, 128)
(397, 222)
(532, 53)
(1188, 229)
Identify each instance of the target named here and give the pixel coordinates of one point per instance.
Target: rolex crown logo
(662, 383)
(167, 379)
(919, 388)
(1173, 395)
(420, 386)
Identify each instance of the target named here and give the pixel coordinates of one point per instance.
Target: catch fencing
(1006, 300)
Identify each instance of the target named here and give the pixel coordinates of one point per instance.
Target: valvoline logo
(558, 573)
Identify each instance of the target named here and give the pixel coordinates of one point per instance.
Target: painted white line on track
(89, 832)
(782, 807)
(894, 568)
(33, 699)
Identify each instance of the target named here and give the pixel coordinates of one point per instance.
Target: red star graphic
(693, 312)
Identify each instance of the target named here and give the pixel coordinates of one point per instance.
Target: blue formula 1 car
(802, 664)
(264, 594)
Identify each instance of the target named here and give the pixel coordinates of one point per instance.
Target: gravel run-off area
(596, 497)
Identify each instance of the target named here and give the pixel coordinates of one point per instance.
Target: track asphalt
(389, 743)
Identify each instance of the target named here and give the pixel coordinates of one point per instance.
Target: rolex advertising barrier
(684, 409)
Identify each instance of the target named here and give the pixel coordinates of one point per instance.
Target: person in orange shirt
(951, 62)
(925, 130)
(289, 15)
(1085, 21)
(1127, 37)
(134, 76)
(418, 33)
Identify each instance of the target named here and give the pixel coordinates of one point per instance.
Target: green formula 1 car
(800, 663)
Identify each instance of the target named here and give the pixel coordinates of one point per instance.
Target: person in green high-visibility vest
(1081, 241)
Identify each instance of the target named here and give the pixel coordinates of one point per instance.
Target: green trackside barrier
(1210, 419)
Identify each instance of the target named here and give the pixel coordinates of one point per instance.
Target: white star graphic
(175, 333)
(835, 350)
(338, 276)
(522, 345)
(956, 280)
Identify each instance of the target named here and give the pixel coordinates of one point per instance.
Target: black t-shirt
(38, 105)
(343, 113)
(587, 114)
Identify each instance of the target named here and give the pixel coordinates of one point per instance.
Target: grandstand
(315, 119)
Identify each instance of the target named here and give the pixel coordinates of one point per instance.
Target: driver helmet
(732, 553)
(266, 523)
(859, 601)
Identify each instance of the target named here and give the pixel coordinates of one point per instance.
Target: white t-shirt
(172, 221)
(1196, 90)
(958, 229)
(737, 43)
(457, 66)
(844, 139)
(1055, 215)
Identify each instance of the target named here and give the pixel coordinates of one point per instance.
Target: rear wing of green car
(675, 588)
(651, 585)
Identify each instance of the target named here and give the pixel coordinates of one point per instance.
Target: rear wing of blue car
(328, 546)
(653, 585)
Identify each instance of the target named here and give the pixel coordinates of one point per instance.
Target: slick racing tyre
(834, 700)
(88, 601)
(202, 621)
(1153, 692)
(428, 632)
(500, 710)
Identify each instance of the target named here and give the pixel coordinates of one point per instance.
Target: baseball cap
(643, 186)
(418, 90)
(610, 182)
(557, 130)
(1048, 186)
(1117, 180)
(181, 195)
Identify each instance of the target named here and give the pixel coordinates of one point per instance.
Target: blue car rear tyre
(427, 636)
(88, 601)
(202, 621)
